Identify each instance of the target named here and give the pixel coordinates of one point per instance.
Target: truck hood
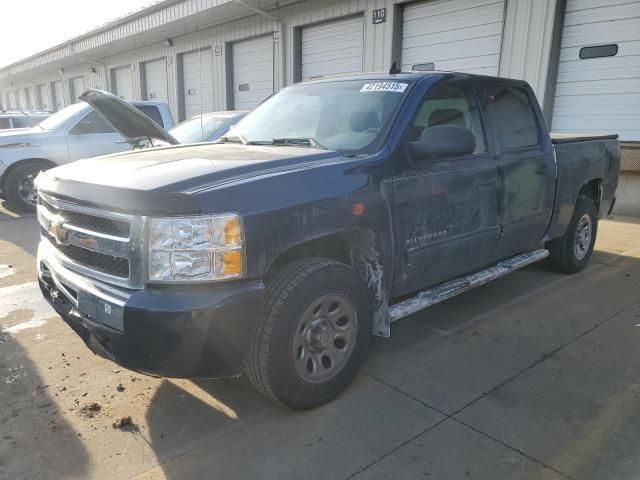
(172, 175)
(130, 122)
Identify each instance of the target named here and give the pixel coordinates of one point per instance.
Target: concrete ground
(532, 376)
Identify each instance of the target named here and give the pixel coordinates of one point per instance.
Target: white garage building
(582, 57)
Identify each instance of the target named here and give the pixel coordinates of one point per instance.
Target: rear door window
(5, 123)
(512, 116)
(152, 112)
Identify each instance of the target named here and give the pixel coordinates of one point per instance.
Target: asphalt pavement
(533, 376)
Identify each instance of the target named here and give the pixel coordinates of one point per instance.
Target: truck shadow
(7, 212)
(22, 231)
(36, 442)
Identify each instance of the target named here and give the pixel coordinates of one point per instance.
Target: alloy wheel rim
(582, 238)
(324, 338)
(27, 190)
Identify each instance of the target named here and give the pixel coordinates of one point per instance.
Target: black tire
(274, 362)
(15, 181)
(563, 255)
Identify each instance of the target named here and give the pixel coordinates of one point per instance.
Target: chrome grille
(104, 263)
(90, 222)
(97, 243)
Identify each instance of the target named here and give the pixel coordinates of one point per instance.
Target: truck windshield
(347, 116)
(60, 118)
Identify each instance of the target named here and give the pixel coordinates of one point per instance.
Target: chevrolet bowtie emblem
(59, 232)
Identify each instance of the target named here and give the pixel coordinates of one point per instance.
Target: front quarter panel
(50, 146)
(285, 209)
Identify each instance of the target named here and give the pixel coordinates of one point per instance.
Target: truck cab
(334, 208)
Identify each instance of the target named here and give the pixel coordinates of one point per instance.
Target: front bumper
(196, 331)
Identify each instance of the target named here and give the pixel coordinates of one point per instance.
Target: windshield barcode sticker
(384, 87)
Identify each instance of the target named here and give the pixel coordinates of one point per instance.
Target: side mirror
(83, 128)
(444, 141)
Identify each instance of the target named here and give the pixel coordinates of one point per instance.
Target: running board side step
(444, 291)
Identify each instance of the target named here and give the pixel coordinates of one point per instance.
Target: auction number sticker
(384, 87)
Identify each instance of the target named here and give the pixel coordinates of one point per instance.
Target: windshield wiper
(310, 141)
(241, 139)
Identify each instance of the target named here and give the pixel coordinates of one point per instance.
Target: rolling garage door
(598, 85)
(28, 98)
(123, 82)
(17, 100)
(43, 102)
(155, 80)
(252, 71)
(76, 88)
(332, 48)
(454, 35)
(58, 95)
(197, 82)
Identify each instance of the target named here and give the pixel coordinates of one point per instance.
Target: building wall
(525, 49)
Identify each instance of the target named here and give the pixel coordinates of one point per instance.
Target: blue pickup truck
(333, 209)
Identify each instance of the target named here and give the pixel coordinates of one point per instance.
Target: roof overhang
(163, 20)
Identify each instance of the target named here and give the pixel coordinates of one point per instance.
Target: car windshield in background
(347, 116)
(59, 119)
(200, 128)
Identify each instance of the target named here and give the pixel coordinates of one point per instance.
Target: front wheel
(571, 252)
(20, 187)
(312, 334)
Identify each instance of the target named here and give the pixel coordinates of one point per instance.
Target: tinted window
(599, 51)
(450, 104)
(153, 113)
(512, 116)
(100, 124)
(4, 123)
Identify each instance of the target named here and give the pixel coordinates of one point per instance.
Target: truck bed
(579, 158)
(557, 138)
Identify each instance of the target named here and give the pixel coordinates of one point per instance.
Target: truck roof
(407, 76)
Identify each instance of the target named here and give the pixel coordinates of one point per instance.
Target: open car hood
(130, 122)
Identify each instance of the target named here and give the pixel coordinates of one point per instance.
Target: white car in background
(207, 127)
(74, 132)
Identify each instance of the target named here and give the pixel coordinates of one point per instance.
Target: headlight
(196, 248)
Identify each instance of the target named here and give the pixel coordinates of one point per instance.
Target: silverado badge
(59, 232)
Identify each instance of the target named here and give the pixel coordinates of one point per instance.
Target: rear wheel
(20, 187)
(312, 333)
(571, 252)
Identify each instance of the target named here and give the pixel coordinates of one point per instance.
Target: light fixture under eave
(168, 42)
(61, 71)
(92, 69)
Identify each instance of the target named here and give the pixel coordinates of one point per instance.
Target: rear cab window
(513, 118)
(152, 112)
